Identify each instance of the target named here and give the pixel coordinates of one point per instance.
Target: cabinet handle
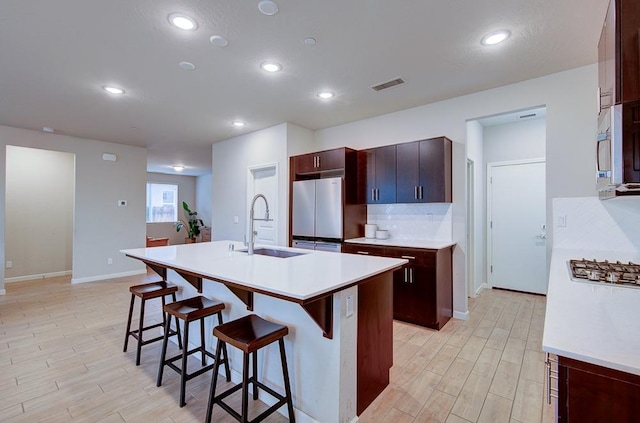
(363, 252)
(420, 192)
(318, 161)
(411, 275)
(415, 192)
(552, 373)
(377, 194)
(406, 279)
(408, 257)
(373, 194)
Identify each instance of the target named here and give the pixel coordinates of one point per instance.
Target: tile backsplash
(592, 224)
(413, 221)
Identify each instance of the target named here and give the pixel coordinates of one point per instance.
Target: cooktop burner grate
(620, 274)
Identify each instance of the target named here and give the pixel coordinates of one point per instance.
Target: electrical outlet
(236, 219)
(109, 260)
(9, 264)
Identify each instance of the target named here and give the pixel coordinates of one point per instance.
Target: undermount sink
(272, 252)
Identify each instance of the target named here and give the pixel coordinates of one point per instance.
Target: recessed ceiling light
(218, 40)
(178, 168)
(48, 129)
(271, 66)
(238, 123)
(267, 7)
(113, 90)
(187, 65)
(309, 41)
(183, 21)
(495, 38)
(325, 94)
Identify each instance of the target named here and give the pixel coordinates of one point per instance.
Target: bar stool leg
(255, 375)
(202, 342)
(163, 354)
(128, 333)
(183, 380)
(227, 371)
(214, 380)
(173, 295)
(287, 387)
(140, 327)
(245, 383)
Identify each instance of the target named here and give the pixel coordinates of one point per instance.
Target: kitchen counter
(346, 297)
(594, 323)
(392, 242)
(300, 279)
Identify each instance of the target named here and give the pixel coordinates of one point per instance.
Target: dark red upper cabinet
(424, 171)
(619, 54)
(381, 175)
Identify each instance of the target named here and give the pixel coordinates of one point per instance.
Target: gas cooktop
(619, 274)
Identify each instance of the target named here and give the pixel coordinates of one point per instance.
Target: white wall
(186, 192)
(203, 198)
(515, 141)
(40, 192)
(231, 160)
(101, 228)
(571, 127)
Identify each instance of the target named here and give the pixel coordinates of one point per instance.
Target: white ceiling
(56, 55)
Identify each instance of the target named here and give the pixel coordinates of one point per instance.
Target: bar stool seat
(145, 292)
(189, 310)
(249, 334)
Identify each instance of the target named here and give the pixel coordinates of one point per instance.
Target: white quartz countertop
(297, 278)
(592, 322)
(392, 242)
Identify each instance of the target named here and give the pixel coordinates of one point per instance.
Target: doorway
(516, 211)
(263, 179)
(39, 198)
(471, 290)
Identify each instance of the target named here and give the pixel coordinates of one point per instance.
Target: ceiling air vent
(388, 84)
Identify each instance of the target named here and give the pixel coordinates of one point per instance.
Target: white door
(264, 180)
(517, 217)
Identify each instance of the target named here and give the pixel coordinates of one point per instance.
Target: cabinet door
(606, 61)
(304, 163)
(423, 281)
(381, 175)
(408, 162)
(435, 171)
(331, 159)
(403, 297)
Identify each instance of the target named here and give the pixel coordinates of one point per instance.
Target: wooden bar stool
(189, 310)
(249, 334)
(149, 291)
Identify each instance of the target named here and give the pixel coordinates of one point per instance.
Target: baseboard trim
(108, 276)
(37, 276)
(461, 315)
(481, 287)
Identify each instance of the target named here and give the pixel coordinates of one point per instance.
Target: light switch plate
(349, 305)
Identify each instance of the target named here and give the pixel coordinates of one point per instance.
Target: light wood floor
(61, 360)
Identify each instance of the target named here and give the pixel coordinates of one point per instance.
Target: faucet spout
(252, 219)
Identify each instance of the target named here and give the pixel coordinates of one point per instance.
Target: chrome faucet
(252, 233)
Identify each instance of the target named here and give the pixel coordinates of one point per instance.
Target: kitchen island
(338, 308)
(592, 328)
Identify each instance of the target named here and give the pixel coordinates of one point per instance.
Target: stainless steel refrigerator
(317, 214)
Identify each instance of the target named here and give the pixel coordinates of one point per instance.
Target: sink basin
(272, 252)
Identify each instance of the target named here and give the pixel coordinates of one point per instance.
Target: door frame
(275, 204)
(490, 167)
(471, 259)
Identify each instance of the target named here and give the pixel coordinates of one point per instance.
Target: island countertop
(408, 243)
(302, 278)
(592, 322)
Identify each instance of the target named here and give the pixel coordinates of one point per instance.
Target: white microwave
(609, 149)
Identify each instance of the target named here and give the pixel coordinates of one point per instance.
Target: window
(162, 202)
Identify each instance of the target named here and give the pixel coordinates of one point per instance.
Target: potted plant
(192, 225)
